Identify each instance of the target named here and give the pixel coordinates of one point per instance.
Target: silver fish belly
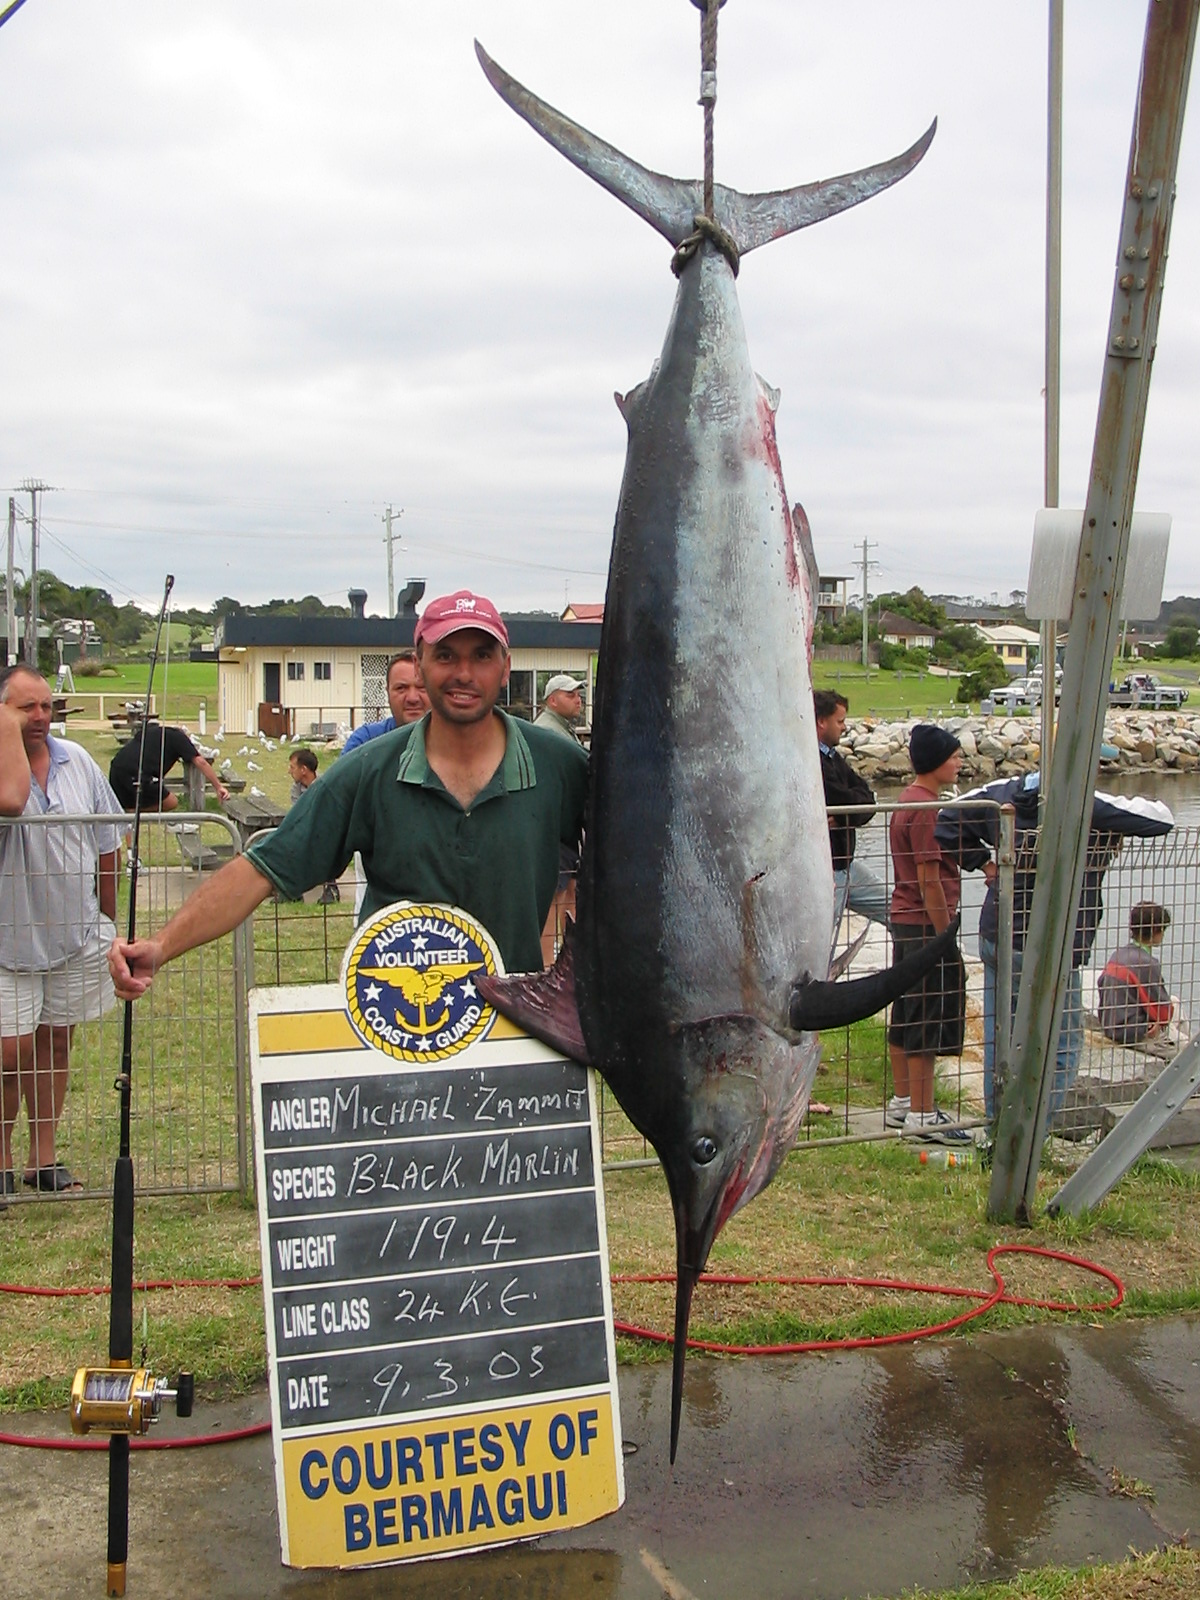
(706, 887)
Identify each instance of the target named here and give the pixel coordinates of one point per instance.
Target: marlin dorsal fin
(670, 204)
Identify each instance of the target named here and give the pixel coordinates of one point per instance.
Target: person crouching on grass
(927, 1022)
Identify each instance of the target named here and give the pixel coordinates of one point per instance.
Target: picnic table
(253, 813)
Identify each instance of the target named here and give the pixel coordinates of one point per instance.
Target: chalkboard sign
(434, 1262)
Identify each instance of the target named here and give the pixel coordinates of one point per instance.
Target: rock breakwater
(1000, 747)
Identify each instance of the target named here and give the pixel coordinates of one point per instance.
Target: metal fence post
(1006, 862)
(243, 938)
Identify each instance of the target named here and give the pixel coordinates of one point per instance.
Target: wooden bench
(203, 857)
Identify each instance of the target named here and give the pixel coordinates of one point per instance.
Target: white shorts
(78, 991)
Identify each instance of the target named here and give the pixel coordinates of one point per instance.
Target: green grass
(179, 685)
(1170, 1574)
(857, 1211)
(890, 695)
(895, 695)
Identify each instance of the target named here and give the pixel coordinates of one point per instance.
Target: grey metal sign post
(1132, 332)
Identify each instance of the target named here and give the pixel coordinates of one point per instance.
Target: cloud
(270, 268)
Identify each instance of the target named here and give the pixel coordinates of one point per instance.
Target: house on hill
(307, 676)
(1013, 644)
(909, 635)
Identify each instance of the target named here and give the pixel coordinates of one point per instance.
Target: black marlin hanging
(697, 972)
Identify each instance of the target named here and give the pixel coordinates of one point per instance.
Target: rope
(705, 222)
(706, 228)
(708, 94)
(987, 1298)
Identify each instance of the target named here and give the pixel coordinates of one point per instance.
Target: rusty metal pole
(1125, 386)
(1052, 425)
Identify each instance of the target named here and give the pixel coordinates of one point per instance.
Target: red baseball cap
(451, 613)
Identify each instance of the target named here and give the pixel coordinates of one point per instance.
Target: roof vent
(358, 602)
(406, 602)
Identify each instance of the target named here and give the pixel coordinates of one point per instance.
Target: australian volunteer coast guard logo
(409, 979)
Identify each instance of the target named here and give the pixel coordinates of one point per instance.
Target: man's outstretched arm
(222, 903)
(213, 777)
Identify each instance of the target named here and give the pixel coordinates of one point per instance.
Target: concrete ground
(819, 1477)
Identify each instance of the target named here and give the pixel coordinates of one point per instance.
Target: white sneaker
(935, 1127)
(896, 1110)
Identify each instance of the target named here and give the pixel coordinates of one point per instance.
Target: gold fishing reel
(125, 1399)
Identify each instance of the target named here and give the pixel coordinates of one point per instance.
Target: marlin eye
(704, 1150)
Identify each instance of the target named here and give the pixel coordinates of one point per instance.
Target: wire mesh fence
(63, 1031)
(190, 1047)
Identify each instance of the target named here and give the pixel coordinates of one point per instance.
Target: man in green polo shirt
(467, 807)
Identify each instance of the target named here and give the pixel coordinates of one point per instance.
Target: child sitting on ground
(1134, 1004)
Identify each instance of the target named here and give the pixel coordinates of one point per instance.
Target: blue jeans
(1070, 1037)
(859, 888)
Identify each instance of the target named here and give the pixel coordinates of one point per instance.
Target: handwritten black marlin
(698, 971)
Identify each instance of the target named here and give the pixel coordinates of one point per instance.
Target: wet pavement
(863, 1473)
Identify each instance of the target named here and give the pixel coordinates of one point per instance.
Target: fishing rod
(118, 1399)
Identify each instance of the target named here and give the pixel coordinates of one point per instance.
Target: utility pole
(867, 564)
(1053, 355)
(33, 487)
(388, 515)
(10, 599)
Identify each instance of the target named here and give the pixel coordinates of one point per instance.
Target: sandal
(51, 1180)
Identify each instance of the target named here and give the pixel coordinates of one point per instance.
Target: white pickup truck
(1024, 692)
(1144, 689)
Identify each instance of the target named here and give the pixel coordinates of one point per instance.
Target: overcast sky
(270, 266)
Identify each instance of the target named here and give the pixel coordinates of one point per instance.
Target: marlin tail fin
(670, 204)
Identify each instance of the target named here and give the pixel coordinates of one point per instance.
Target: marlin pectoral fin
(543, 1003)
(670, 204)
(816, 1006)
(841, 963)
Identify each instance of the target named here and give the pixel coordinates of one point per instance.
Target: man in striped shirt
(58, 899)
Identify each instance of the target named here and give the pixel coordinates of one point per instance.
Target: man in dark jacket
(969, 835)
(853, 884)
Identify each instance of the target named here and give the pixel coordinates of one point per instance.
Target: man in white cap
(562, 706)
(467, 807)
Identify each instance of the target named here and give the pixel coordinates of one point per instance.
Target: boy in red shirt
(927, 1021)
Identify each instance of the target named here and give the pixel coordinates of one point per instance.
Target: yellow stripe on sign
(303, 1033)
(431, 1486)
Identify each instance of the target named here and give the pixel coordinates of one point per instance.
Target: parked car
(1144, 689)
(1025, 693)
(1016, 695)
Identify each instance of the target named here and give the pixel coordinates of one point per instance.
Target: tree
(915, 604)
(985, 672)
(1181, 640)
(129, 625)
(957, 644)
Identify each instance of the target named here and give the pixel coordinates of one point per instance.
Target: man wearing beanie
(927, 1022)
